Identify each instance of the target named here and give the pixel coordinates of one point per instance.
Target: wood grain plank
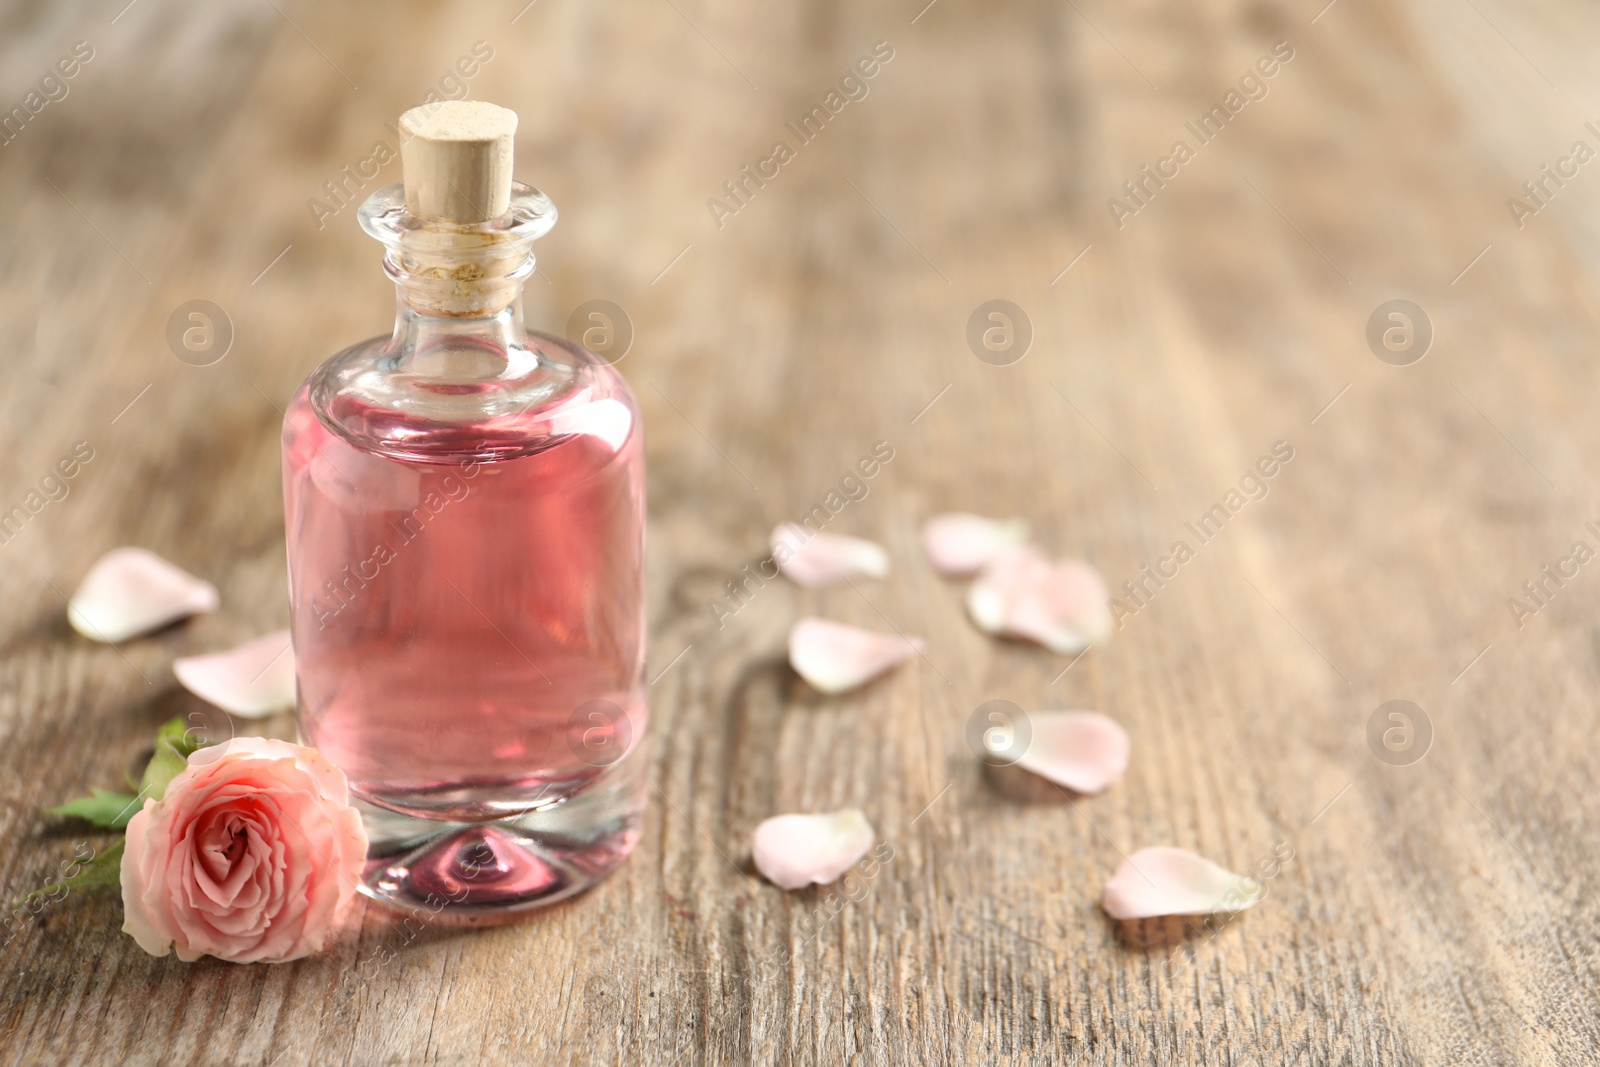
(1434, 913)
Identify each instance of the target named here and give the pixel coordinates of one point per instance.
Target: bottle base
(484, 873)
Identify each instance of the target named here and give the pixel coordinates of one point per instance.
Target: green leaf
(177, 731)
(104, 808)
(174, 746)
(166, 763)
(100, 871)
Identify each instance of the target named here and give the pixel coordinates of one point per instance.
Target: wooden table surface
(1440, 910)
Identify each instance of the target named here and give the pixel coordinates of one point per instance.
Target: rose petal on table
(131, 591)
(1082, 750)
(1172, 881)
(834, 657)
(818, 559)
(250, 681)
(793, 851)
(963, 543)
(1061, 605)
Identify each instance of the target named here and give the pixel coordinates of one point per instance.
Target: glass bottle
(465, 509)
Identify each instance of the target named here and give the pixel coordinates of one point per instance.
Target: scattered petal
(131, 591)
(1082, 750)
(1171, 881)
(795, 850)
(961, 543)
(834, 657)
(250, 681)
(1061, 605)
(816, 559)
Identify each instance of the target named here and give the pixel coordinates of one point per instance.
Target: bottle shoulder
(486, 406)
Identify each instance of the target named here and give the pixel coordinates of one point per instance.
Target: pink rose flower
(250, 856)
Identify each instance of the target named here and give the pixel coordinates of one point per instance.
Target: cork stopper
(456, 155)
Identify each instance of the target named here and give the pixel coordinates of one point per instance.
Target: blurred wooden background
(1442, 912)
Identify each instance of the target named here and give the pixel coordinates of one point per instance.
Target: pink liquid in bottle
(457, 616)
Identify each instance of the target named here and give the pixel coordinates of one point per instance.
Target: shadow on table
(1163, 933)
(1018, 786)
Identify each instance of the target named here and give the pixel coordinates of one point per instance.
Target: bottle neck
(460, 348)
(458, 309)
